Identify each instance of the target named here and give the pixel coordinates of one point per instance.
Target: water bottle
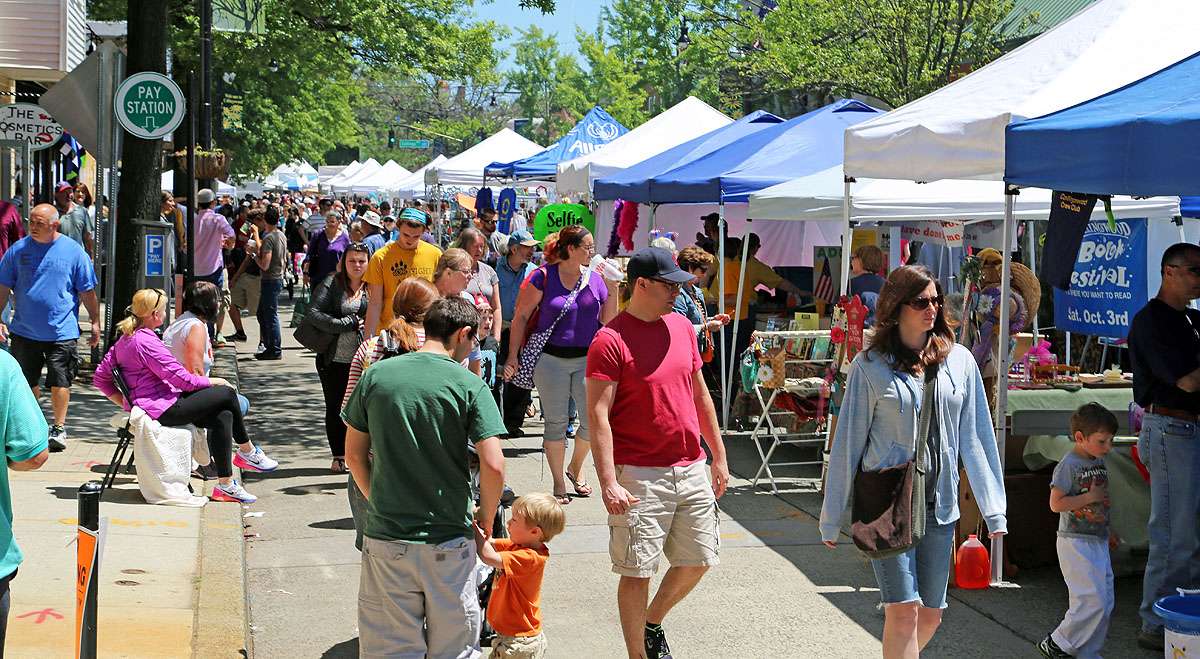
(607, 268)
(973, 569)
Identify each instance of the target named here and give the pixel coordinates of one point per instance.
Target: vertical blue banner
(1108, 284)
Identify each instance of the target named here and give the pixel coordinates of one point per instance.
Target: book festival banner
(1109, 283)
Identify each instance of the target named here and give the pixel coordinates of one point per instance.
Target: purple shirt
(154, 377)
(323, 255)
(211, 230)
(582, 320)
(11, 227)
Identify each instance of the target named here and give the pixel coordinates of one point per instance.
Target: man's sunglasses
(922, 303)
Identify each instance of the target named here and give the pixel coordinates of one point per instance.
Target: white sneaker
(256, 461)
(232, 492)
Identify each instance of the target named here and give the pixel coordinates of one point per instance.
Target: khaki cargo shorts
(676, 515)
(245, 293)
(519, 647)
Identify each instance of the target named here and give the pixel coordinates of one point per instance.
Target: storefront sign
(1109, 282)
(25, 122)
(557, 217)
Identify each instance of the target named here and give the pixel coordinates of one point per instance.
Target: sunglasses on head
(358, 247)
(922, 303)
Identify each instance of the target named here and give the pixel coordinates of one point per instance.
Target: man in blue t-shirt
(49, 274)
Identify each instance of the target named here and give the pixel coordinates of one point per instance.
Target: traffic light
(391, 138)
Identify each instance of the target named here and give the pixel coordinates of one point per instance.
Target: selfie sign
(557, 217)
(1108, 284)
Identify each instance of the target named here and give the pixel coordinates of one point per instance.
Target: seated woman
(168, 393)
(187, 336)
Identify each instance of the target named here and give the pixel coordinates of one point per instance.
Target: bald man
(50, 275)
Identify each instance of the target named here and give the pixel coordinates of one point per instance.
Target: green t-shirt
(24, 432)
(421, 410)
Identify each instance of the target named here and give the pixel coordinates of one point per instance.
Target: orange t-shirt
(515, 608)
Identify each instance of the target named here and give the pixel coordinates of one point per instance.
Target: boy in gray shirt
(1079, 494)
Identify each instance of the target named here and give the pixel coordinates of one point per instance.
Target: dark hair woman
(559, 376)
(877, 429)
(339, 307)
(187, 336)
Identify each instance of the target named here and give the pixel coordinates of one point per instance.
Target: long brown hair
(904, 284)
(414, 296)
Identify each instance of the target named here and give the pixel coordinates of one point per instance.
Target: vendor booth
(466, 169)
(385, 178)
(596, 129)
(413, 185)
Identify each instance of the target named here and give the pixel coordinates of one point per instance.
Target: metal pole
(721, 309)
(112, 144)
(653, 207)
(205, 11)
(1032, 240)
(847, 239)
(737, 309)
(189, 272)
(88, 563)
(1003, 359)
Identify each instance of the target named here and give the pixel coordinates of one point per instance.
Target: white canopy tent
(413, 185)
(326, 172)
(297, 174)
(384, 178)
(370, 167)
(688, 119)
(466, 169)
(349, 172)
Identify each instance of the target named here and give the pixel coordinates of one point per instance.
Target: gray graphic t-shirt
(1077, 475)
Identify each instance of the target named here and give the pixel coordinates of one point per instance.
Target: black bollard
(87, 564)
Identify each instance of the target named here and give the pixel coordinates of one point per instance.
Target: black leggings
(216, 410)
(334, 377)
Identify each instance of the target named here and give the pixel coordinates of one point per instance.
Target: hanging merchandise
(505, 208)
(483, 199)
(1069, 215)
(628, 225)
(614, 239)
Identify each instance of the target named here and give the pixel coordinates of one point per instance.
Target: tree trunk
(141, 159)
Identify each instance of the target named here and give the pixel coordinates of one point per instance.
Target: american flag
(824, 288)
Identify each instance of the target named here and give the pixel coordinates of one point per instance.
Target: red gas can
(973, 569)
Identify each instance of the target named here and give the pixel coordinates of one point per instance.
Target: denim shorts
(921, 573)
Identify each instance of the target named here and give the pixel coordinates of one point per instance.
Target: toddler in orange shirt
(514, 609)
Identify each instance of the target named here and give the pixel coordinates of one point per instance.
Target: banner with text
(1108, 284)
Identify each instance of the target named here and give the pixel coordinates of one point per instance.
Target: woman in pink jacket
(168, 393)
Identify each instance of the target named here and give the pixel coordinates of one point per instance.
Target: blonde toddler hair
(542, 510)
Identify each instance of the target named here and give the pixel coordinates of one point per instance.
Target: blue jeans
(268, 315)
(1170, 449)
(921, 573)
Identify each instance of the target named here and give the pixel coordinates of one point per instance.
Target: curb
(220, 627)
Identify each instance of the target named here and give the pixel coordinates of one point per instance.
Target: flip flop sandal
(563, 499)
(582, 489)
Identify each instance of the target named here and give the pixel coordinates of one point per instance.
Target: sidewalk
(170, 579)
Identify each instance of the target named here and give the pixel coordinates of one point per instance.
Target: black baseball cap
(656, 263)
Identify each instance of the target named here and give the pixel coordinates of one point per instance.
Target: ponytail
(145, 302)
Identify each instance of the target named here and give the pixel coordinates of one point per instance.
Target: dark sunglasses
(675, 286)
(922, 303)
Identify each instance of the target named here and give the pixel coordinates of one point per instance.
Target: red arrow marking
(42, 615)
(88, 464)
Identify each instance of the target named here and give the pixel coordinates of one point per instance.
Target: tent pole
(653, 207)
(1003, 359)
(721, 309)
(847, 239)
(737, 307)
(1032, 240)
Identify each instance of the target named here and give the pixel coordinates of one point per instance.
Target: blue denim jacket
(877, 426)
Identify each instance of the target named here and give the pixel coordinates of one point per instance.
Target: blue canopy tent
(596, 129)
(1142, 139)
(634, 183)
(1189, 206)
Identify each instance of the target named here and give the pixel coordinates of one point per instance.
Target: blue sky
(561, 23)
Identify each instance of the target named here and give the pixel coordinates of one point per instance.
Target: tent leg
(1004, 359)
(725, 358)
(1031, 239)
(893, 247)
(847, 240)
(653, 207)
(737, 307)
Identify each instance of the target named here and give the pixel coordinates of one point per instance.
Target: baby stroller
(484, 574)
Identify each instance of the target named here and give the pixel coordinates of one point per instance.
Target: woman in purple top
(560, 370)
(172, 395)
(325, 249)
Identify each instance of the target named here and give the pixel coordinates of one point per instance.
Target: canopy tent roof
(635, 183)
(819, 197)
(466, 169)
(369, 169)
(958, 130)
(296, 175)
(350, 172)
(595, 130)
(385, 178)
(1142, 139)
(413, 185)
(687, 119)
(801, 145)
(326, 172)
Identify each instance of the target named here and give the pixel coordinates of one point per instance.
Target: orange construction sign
(85, 568)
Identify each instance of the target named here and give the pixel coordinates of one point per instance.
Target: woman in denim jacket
(876, 429)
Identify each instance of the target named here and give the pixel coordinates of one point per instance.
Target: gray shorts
(558, 380)
(676, 516)
(418, 600)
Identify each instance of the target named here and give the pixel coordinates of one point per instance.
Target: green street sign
(414, 144)
(149, 105)
(556, 217)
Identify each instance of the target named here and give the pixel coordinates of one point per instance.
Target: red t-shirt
(654, 422)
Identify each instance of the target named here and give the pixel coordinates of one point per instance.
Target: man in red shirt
(649, 409)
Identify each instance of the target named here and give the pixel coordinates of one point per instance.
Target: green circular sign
(149, 105)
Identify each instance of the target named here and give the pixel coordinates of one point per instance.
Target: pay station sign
(155, 255)
(149, 105)
(25, 122)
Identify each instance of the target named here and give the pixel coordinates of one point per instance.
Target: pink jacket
(153, 375)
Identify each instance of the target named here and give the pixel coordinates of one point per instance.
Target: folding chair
(124, 438)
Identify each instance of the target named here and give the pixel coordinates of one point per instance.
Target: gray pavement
(778, 592)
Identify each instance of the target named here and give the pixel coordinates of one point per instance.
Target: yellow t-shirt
(393, 264)
(757, 273)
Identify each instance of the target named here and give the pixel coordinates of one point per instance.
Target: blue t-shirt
(24, 431)
(1077, 475)
(46, 280)
(375, 242)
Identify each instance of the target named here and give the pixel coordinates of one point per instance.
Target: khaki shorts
(519, 647)
(676, 515)
(245, 292)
